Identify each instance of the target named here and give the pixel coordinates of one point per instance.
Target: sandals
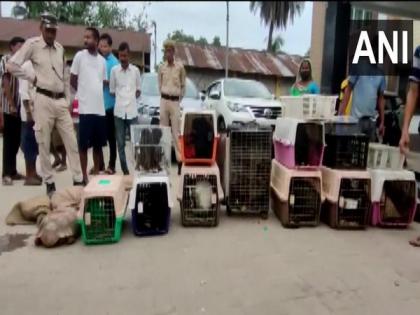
(110, 171)
(61, 168)
(7, 181)
(415, 242)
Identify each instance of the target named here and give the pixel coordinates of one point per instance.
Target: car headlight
(236, 107)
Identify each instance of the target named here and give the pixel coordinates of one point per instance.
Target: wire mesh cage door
(151, 147)
(304, 201)
(99, 219)
(353, 203)
(200, 200)
(151, 215)
(398, 201)
(249, 171)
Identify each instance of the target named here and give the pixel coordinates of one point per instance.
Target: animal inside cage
(102, 209)
(394, 198)
(345, 151)
(298, 143)
(296, 195)
(347, 195)
(247, 170)
(309, 106)
(150, 205)
(199, 194)
(385, 157)
(198, 139)
(152, 148)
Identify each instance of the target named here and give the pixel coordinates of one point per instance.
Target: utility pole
(227, 41)
(154, 43)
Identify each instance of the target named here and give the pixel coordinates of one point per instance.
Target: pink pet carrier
(347, 198)
(296, 195)
(298, 143)
(394, 197)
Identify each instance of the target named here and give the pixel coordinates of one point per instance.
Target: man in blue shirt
(367, 99)
(105, 48)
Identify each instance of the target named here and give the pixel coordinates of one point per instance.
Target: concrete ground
(243, 266)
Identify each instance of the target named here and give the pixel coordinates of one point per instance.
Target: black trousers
(11, 143)
(110, 130)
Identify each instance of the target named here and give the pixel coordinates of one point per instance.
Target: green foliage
(95, 13)
(180, 36)
(276, 14)
(277, 45)
(216, 41)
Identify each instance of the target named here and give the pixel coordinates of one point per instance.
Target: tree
(94, 13)
(277, 45)
(180, 36)
(276, 14)
(216, 41)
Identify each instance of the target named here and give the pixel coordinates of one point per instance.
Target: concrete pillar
(336, 37)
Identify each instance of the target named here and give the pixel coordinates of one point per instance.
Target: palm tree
(277, 45)
(276, 14)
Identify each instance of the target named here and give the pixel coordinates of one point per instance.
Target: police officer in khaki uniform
(51, 104)
(172, 79)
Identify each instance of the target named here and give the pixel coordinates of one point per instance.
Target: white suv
(241, 101)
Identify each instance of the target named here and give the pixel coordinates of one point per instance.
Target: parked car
(241, 101)
(149, 101)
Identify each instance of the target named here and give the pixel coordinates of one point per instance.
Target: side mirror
(203, 97)
(215, 95)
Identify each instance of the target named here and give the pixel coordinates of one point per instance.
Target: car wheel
(221, 126)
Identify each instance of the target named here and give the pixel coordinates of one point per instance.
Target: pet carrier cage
(394, 197)
(296, 195)
(198, 139)
(151, 147)
(347, 198)
(246, 169)
(342, 125)
(298, 143)
(150, 205)
(102, 209)
(345, 150)
(199, 194)
(385, 157)
(309, 106)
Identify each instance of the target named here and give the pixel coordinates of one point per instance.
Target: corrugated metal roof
(240, 60)
(71, 35)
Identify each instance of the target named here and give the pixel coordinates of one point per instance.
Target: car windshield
(149, 86)
(246, 88)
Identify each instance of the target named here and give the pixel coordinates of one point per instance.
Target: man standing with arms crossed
(52, 97)
(171, 77)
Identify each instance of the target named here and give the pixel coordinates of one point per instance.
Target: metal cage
(194, 211)
(247, 170)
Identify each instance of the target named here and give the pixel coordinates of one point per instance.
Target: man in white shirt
(124, 83)
(27, 140)
(88, 75)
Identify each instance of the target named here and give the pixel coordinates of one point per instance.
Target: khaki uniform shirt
(48, 62)
(172, 79)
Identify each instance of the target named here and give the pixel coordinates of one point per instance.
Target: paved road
(244, 266)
